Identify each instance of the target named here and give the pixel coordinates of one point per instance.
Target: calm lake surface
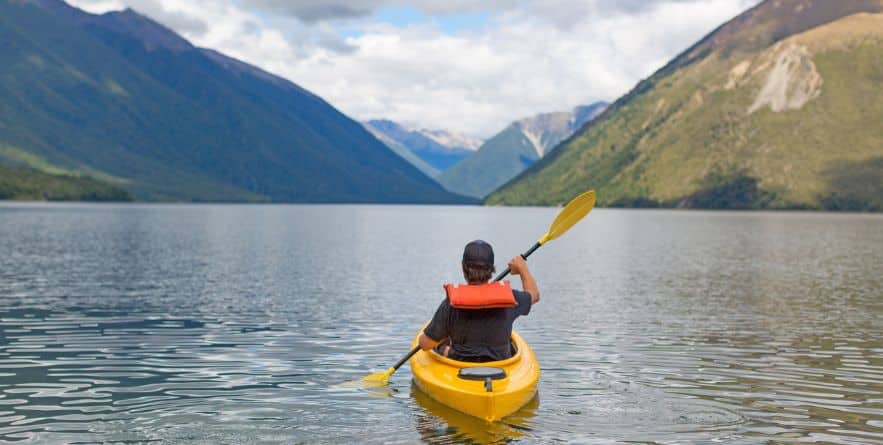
(236, 324)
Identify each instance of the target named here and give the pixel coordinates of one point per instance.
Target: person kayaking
(480, 332)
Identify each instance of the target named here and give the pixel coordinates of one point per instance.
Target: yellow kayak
(489, 390)
(471, 429)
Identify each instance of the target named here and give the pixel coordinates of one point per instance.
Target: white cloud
(529, 57)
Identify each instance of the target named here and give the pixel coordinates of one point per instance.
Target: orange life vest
(481, 296)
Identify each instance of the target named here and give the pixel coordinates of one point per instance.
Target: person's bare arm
(518, 266)
(427, 343)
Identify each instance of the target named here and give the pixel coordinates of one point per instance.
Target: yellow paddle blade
(374, 381)
(574, 211)
(380, 377)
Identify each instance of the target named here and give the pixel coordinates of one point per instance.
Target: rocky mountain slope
(404, 152)
(779, 108)
(439, 149)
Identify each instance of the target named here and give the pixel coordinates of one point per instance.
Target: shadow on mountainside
(854, 186)
(737, 191)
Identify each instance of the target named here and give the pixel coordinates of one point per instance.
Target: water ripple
(231, 324)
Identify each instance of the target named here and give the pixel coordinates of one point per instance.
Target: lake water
(235, 324)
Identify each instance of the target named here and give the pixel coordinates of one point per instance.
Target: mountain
(452, 140)
(778, 108)
(404, 152)
(122, 99)
(514, 149)
(438, 148)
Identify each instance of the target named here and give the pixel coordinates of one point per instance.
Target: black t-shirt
(477, 335)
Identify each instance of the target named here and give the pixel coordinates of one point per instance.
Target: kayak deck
(437, 376)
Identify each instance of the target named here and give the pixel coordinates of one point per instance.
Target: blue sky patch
(449, 23)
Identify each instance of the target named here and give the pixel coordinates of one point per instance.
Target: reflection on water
(235, 324)
(438, 424)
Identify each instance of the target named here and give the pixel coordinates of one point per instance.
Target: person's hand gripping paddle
(571, 214)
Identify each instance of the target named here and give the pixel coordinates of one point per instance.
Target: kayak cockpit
(485, 373)
(516, 357)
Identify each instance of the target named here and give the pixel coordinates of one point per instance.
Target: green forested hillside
(119, 97)
(499, 159)
(779, 108)
(32, 185)
(513, 150)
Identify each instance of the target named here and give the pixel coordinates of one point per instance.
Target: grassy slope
(32, 185)
(666, 142)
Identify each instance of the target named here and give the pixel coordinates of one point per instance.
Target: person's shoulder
(522, 297)
(445, 304)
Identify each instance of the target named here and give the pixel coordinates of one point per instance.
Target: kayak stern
(437, 376)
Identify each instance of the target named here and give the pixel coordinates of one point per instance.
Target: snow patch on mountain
(450, 139)
(535, 140)
(545, 131)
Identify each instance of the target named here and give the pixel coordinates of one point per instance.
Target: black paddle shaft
(406, 357)
(411, 354)
(523, 255)
(499, 277)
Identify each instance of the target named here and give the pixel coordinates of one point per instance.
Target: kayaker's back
(478, 335)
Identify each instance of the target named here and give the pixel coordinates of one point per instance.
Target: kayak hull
(437, 377)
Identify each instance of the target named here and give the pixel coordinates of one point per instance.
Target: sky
(466, 66)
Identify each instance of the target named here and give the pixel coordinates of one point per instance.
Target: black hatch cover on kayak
(482, 373)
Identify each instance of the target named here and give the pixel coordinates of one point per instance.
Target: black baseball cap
(478, 253)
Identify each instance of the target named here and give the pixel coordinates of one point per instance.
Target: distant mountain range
(514, 149)
(439, 149)
(781, 107)
(124, 100)
(405, 152)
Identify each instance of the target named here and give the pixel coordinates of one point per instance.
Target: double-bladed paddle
(574, 211)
